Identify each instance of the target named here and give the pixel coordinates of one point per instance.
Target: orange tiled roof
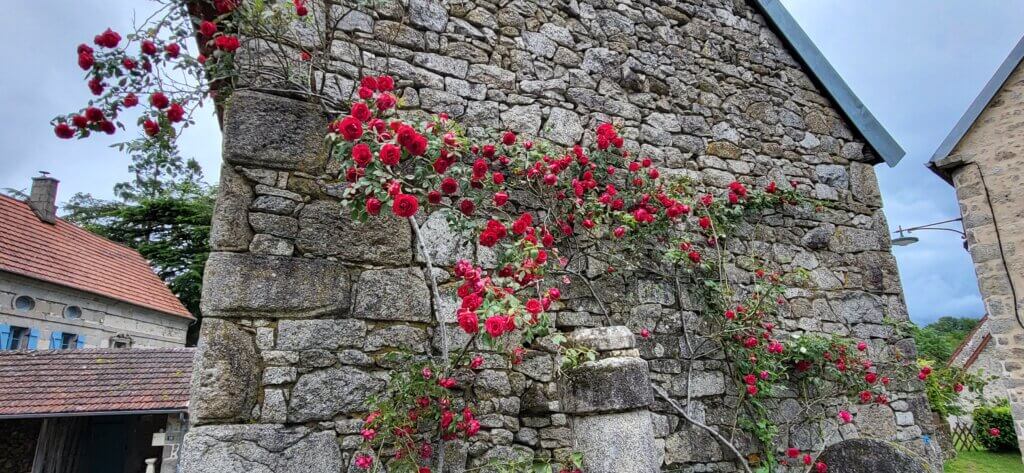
(94, 380)
(70, 256)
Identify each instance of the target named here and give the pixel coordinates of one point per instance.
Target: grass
(985, 462)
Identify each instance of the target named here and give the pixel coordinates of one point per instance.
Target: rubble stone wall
(986, 169)
(300, 302)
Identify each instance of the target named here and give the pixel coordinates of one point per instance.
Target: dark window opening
(19, 338)
(68, 341)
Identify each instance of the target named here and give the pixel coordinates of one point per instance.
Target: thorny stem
(686, 338)
(593, 292)
(664, 395)
(440, 321)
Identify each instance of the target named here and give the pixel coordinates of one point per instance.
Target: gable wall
(307, 302)
(987, 169)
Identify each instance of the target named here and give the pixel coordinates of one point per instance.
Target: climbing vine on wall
(547, 218)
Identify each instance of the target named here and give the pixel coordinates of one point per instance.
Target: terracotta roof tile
(94, 380)
(70, 256)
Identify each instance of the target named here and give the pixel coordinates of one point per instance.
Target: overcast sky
(916, 64)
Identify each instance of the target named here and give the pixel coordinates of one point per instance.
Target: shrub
(998, 417)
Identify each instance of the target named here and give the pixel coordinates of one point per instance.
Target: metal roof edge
(994, 85)
(821, 69)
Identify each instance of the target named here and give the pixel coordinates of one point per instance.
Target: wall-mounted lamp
(904, 240)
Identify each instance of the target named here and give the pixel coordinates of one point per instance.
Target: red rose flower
(390, 154)
(227, 43)
(107, 39)
(534, 306)
(208, 28)
(469, 322)
(201, 59)
(172, 50)
(508, 138)
(792, 452)
(225, 6)
(820, 467)
(96, 86)
(495, 326)
(94, 114)
(488, 239)
(86, 60)
(80, 121)
(365, 93)
(300, 8)
(807, 459)
(63, 131)
(467, 207)
(148, 47)
(405, 205)
(108, 127)
(361, 111)
(151, 127)
(159, 100)
(500, 198)
(369, 82)
(350, 128)
(417, 146)
(128, 63)
(449, 186)
(175, 113)
(362, 155)
(373, 206)
(385, 83)
(385, 102)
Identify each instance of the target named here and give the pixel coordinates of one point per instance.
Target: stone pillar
(608, 401)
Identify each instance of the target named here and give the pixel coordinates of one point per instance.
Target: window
(19, 338)
(68, 341)
(24, 303)
(120, 341)
(73, 312)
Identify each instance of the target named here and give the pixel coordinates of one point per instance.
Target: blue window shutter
(81, 342)
(55, 338)
(33, 338)
(5, 337)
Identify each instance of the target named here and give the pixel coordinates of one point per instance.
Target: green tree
(164, 213)
(938, 340)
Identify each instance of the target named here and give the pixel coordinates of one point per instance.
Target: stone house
(983, 158)
(63, 287)
(977, 354)
(93, 410)
(717, 90)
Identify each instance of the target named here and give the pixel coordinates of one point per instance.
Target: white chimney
(43, 199)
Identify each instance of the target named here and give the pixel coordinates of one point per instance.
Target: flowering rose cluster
(420, 408)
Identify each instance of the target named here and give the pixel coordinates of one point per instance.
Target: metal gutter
(994, 85)
(830, 80)
(97, 413)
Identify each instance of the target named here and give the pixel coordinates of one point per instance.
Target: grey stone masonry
(302, 303)
(608, 402)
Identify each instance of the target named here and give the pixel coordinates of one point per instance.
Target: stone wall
(986, 169)
(300, 302)
(979, 350)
